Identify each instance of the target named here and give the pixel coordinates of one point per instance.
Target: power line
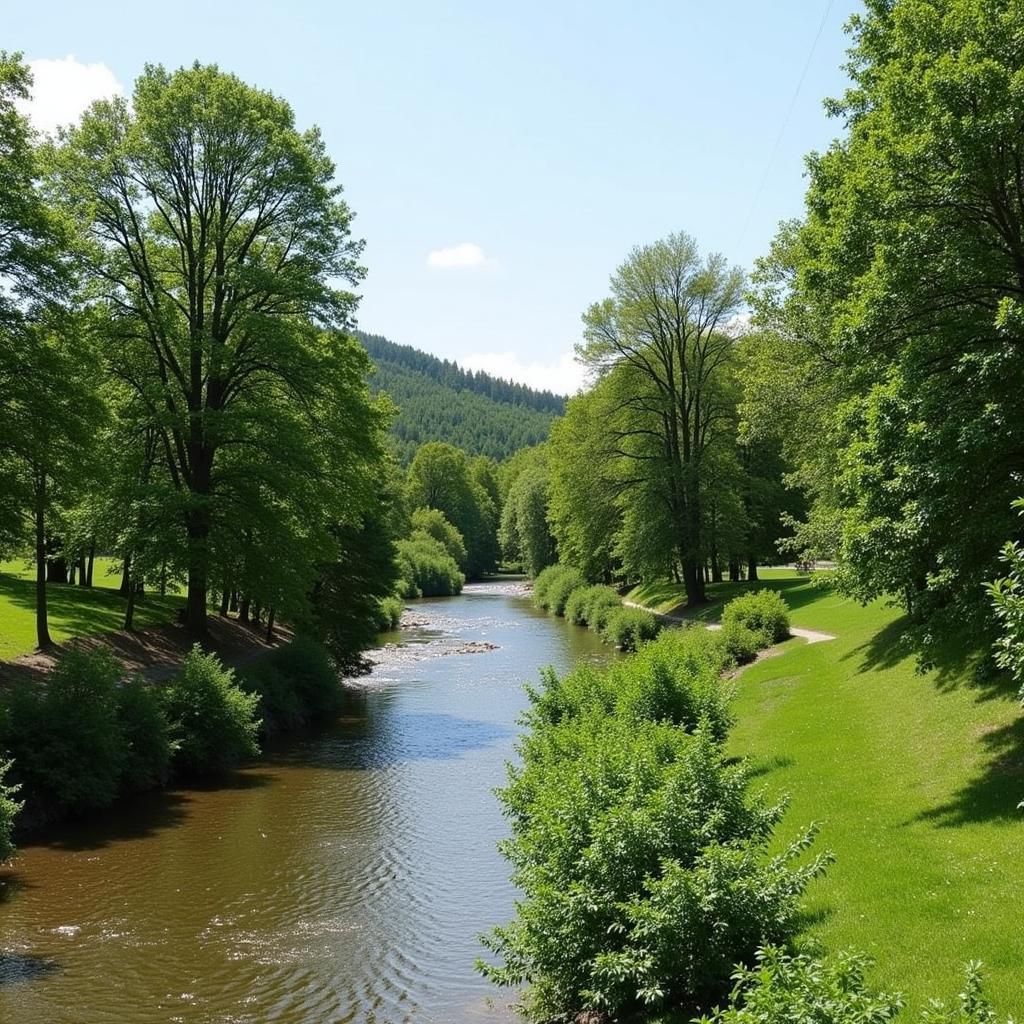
(785, 124)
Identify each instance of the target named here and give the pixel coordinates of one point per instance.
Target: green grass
(915, 779)
(73, 610)
(669, 598)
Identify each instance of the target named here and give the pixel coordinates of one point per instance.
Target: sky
(501, 158)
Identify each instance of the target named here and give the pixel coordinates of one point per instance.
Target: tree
(432, 522)
(667, 320)
(525, 533)
(214, 230)
(895, 310)
(440, 477)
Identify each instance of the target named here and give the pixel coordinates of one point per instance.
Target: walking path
(812, 636)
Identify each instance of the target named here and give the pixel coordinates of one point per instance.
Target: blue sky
(544, 139)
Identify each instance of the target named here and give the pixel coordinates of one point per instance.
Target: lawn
(915, 779)
(73, 610)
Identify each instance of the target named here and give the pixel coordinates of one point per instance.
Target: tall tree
(895, 310)
(215, 231)
(668, 319)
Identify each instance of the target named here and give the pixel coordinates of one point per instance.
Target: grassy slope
(915, 780)
(73, 611)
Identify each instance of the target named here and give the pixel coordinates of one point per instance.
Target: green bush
(308, 668)
(9, 808)
(279, 709)
(628, 628)
(553, 585)
(145, 735)
(674, 679)
(426, 568)
(213, 721)
(389, 613)
(740, 641)
(781, 988)
(576, 607)
(65, 739)
(433, 522)
(586, 604)
(763, 611)
(641, 858)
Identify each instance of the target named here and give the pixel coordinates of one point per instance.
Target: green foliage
(764, 612)
(441, 477)
(895, 391)
(389, 613)
(553, 587)
(641, 859)
(741, 641)
(426, 569)
(145, 735)
(432, 522)
(525, 534)
(1007, 595)
(438, 401)
(782, 988)
(674, 678)
(213, 721)
(628, 628)
(66, 739)
(584, 602)
(10, 807)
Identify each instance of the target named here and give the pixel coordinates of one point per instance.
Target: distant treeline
(438, 400)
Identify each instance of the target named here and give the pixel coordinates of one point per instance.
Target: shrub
(308, 668)
(553, 585)
(628, 628)
(146, 737)
(389, 613)
(9, 808)
(642, 862)
(585, 603)
(763, 611)
(66, 739)
(781, 988)
(673, 679)
(740, 641)
(432, 522)
(213, 721)
(426, 568)
(279, 709)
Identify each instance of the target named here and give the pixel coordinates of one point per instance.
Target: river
(343, 877)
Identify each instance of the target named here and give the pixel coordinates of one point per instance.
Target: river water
(344, 877)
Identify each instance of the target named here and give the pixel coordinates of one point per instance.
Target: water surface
(344, 877)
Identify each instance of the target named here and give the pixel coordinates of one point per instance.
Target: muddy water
(344, 877)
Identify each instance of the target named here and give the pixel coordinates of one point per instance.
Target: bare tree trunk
(225, 599)
(270, 626)
(752, 569)
(42, 626)
(243, 609)
(91, 562)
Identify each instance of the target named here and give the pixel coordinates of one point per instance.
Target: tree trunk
(90, 563)
(129, 611)
(42, 626)
(81, 570)
(225, 600)
(693, 581)
(72, 567)
(716, 571)
(243, 609)
(233, 603)
(125, 573)
(752, 569)
(734, 572)
(270, 626)
(163, 579)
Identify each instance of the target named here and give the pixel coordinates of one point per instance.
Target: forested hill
(440, 401)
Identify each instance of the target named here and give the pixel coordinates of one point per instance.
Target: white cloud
(565, 376)
(62, 89)
(465, 254)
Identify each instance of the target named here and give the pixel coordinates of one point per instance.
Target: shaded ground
(156, 653)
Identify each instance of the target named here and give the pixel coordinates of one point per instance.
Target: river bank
(343, 876)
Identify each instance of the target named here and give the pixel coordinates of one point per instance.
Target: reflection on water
(345, 877)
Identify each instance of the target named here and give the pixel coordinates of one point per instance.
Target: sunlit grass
(915, 779)
(73, 610)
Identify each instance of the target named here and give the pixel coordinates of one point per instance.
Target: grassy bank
(73, 610)
(916, 780)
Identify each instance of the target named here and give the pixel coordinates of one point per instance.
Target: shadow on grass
(762, 767)
(85, 611)
(995, 793)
